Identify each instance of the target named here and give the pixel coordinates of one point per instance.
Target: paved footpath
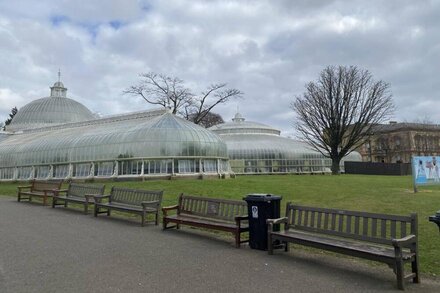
(58, 250)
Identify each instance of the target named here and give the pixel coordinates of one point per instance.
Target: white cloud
(267, 49)
(9, 100)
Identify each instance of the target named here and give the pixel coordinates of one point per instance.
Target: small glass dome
(257, 148)
(240, 126)
(56, 109)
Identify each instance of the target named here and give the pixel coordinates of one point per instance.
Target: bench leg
(86, 208)
(164, 223)
(399, 273)
(96, 210)
(237, 239)
(143, 219)
(65, 203)
(269, 244)
(54, 202)
(108, 212)
(286, 246)
(18, 197)
(415, 269)
(44, 200)
(157, 218)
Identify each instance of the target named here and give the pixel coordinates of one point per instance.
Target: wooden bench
(384, 238)
(141, 202)
(211, 213)
(77, 193)
(43, 189)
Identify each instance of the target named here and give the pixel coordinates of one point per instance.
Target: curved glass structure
(53, 110)
(151, 143)
(257, 148)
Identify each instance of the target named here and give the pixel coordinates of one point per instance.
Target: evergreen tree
(11, 115)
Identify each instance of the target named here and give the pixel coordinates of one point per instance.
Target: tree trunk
(335, 166)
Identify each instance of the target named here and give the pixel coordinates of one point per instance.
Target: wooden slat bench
(43, 189)
(390, 239)
(77, 193)
(136, 201)
(211, 213)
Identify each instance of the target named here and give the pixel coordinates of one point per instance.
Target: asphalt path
(61, 250)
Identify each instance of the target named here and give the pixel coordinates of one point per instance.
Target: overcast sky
(267, 49)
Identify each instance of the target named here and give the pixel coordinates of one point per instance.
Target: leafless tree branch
(166, 91)
(335, 113)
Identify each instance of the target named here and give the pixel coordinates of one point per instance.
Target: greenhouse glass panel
(186, 166)
(24, 172)
(7, 173)
(224, 166)
(61, 171)
(42, 172)
(130, 167)
(210, 166)
(82, 170)
(158, 166)
(104, 169)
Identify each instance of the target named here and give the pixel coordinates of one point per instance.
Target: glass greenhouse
(56, 137)
(255, 148)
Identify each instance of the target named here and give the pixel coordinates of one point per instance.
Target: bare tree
(201, 105)
(166, 91)
(208, 120)
(159, 89)
(335, 113)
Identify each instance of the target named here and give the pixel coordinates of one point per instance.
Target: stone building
(398, 142)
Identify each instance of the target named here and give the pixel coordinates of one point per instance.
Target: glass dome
(240, 126)
(258, 148)
(56, 109)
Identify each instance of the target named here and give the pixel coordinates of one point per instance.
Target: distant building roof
(392, 127)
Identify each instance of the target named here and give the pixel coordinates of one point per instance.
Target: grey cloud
(267, 49)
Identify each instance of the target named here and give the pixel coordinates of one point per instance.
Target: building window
(61, 171)
(42, 172)
(104, 169)
(82, 170)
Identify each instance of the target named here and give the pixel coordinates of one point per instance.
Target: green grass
(381, 194)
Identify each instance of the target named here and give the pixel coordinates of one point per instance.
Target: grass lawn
(381, 194)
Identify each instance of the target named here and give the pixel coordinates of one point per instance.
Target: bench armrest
(238, 220)
(99, 198)
(23, 187)
(56, 192)
(53, 191)
(89, 197)
(405, 241)
(271, 222)
(150, 203)
(277, 221)
(169, 208)
(241, 218)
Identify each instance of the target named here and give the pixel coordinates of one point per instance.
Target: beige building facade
(398, 142)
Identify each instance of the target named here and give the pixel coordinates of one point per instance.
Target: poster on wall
(425, 170)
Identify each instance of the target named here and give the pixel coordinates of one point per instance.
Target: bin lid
(262, 197)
